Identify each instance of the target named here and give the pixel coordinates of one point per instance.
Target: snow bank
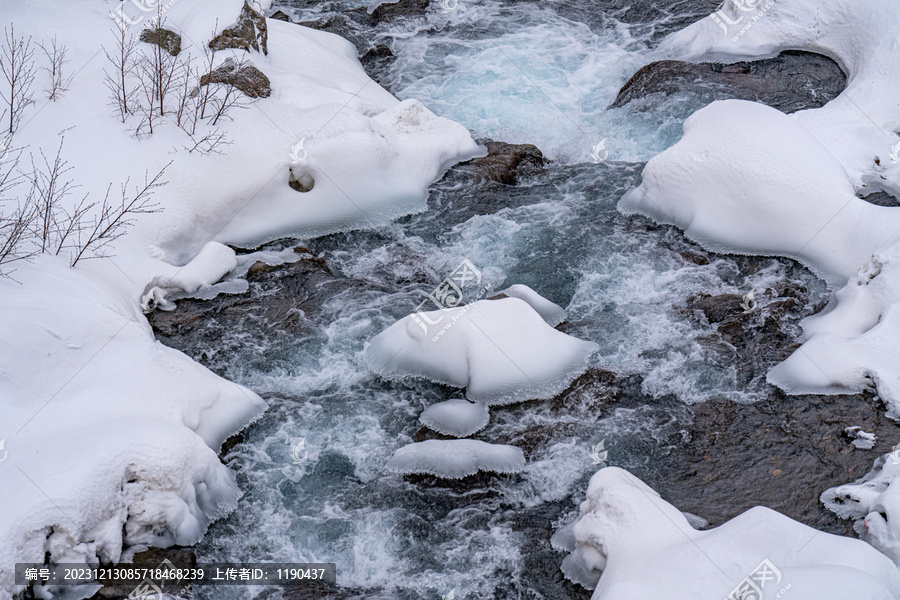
(455, 459)
(630, 544)
(103, 425)
(873, 502)
(459, 418)
(501, 351)
(111, 437)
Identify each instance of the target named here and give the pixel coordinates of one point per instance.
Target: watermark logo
(726, 22)
(3, 452)
(599, 453)
(599, 153)
(299, 454)
(895, 153)
(449, 5)
(449, 294)
(129, 12)
(748, 302)
(298, 153)
(752, 586)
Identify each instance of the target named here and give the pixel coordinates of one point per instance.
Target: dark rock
(376, 61)
(781, 452)
(881, 198)
(247, 78)
(790, 82)
(166, 39)
(718, 308)
(280, 16)
(250, 31)
(506, 162)
(390, 12)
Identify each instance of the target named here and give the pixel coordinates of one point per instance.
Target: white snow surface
(455, 459)
(501, 351)
(550, 312)
(459, 418)
(630, 544)
(103, 426)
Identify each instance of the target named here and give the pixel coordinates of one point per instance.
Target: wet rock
(718, 308)
(250, 32)
(781, 452)
(280, 16)
(166, 39)
(376, 61)
(505, 163)
(391, 12)
(791, 81)
(279, 301)
(250, 80)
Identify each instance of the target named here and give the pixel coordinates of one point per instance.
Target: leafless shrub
(56, 60)
(17, 69)
(122, 69)
(114, 218)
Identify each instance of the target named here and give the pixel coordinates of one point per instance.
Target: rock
(166, 39)
(791, 81)
(390, 12)
(250, 31)
(247, 78)
(717, 308)
(506, 162)
(376, 61)
(280, 16)
(151, 558)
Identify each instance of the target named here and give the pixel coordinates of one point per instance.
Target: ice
(501, 351)
(459, 418)
(455, 459)
(552, 313)
(630, 544)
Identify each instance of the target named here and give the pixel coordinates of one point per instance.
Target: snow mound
(550, 312)
(501, 351)
(873, 502)
(630, 544)
(455, 459)
(459, 418)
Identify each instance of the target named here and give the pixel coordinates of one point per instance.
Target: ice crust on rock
(630, 544)
(459, 418)
(455, 459)
(501, 351)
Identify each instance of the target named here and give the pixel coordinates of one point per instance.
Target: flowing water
(535, 72)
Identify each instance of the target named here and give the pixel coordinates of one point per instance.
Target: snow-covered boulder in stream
(459, 418)
(501, 351)
(630, 544)
(455, 459)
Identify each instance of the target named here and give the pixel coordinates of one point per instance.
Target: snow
(459, 418)
(630, 544)
(872, 502)
(112, 437)
(550, 312)
(501, 351)
(863, 440)
(455, 459)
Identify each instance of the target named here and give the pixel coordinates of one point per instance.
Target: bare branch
(17, 69)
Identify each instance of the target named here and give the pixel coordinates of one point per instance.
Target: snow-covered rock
(550, 312)
(455, 459)
(873, 502)
(459, 418)
(501, 351)
(630, 544)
